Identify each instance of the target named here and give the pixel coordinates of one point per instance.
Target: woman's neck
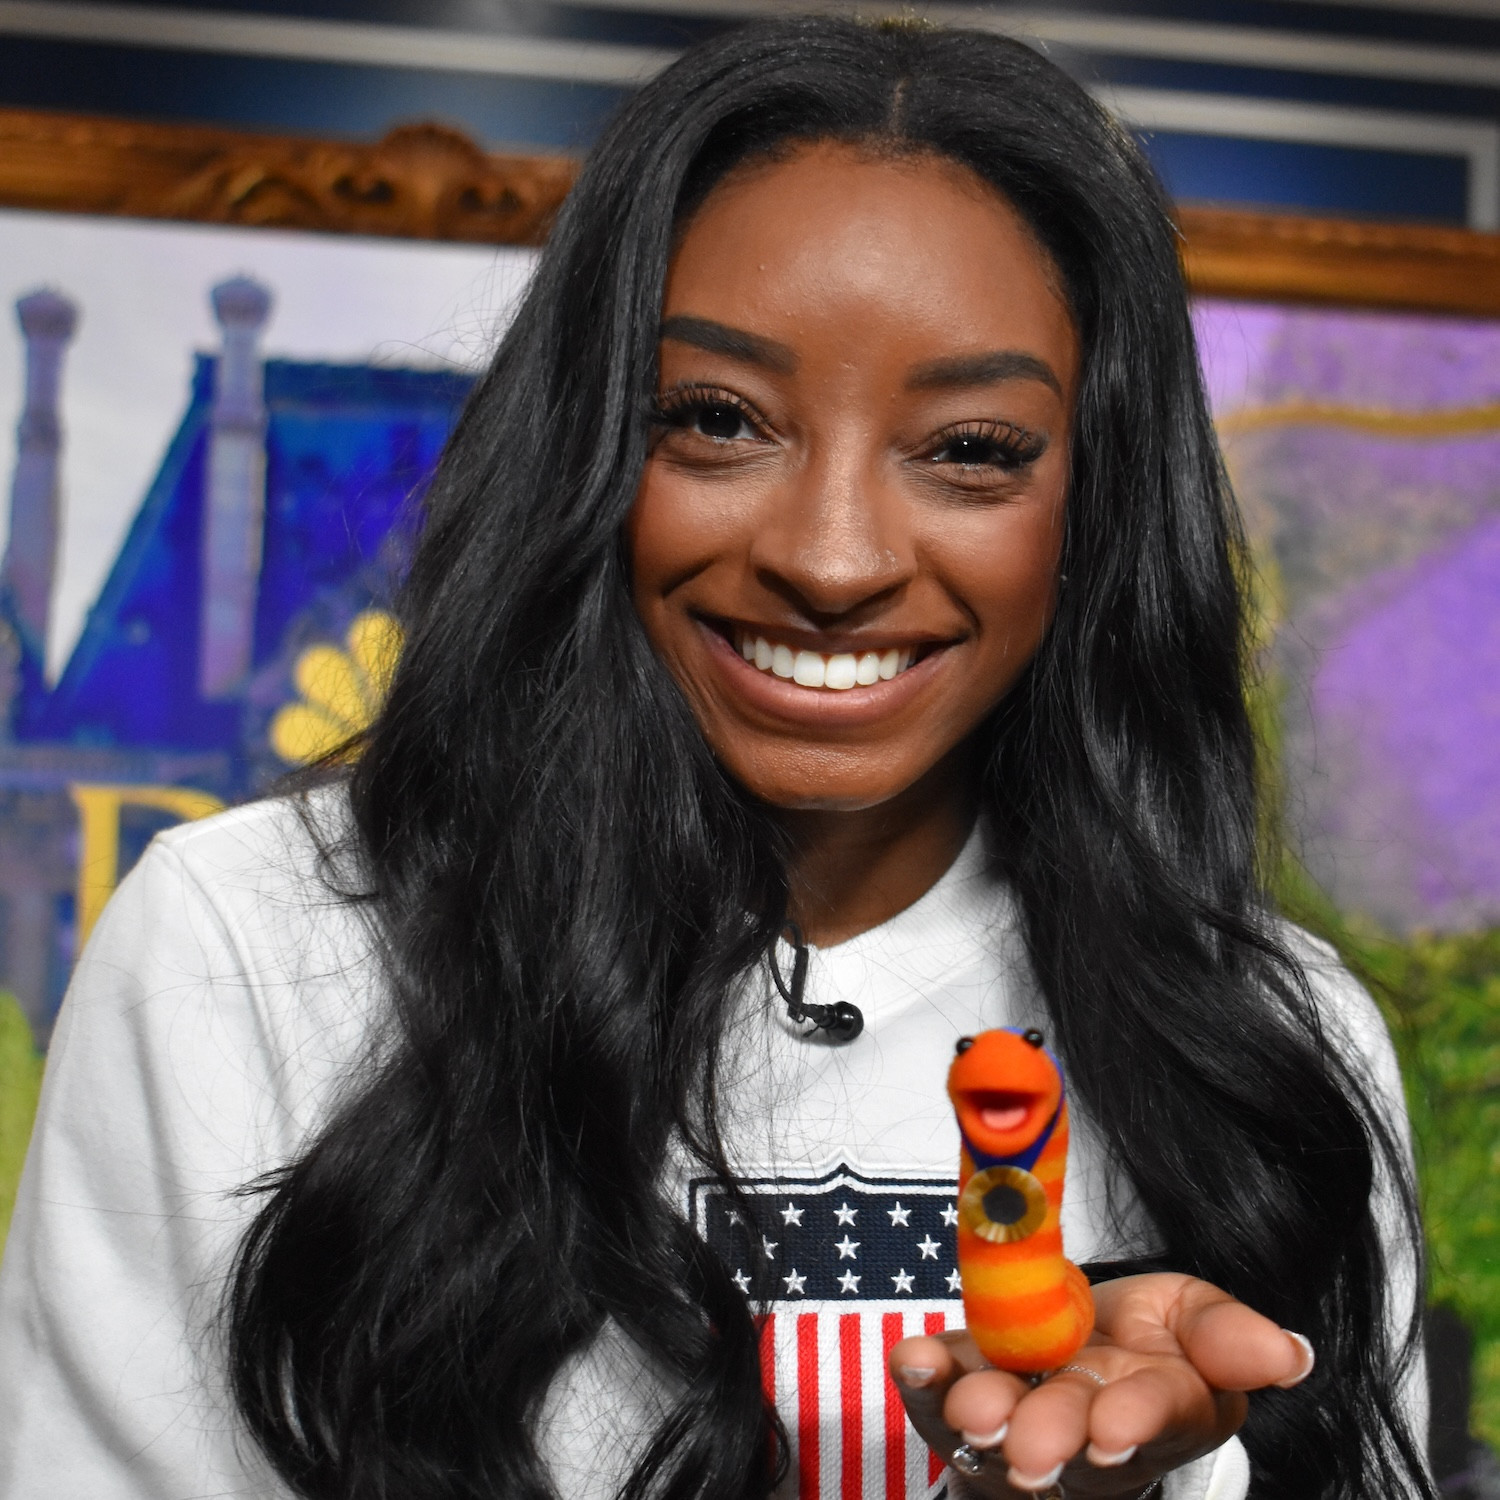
(851, 871)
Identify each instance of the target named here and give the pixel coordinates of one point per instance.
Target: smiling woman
(836, 549)
(846, 543)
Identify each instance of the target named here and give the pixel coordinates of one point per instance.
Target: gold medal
(1002, 1204)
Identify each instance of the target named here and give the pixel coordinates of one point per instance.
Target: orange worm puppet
(1028, 1307)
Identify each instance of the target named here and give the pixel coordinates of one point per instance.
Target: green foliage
(1441, 998)
(1446, 991)
(20, 1083)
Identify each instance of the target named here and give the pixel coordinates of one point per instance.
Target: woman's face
(846, 538)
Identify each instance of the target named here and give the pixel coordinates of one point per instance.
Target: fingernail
(917, 1375)
(1020, 1481)
(1102, 1460)
(986, 1440)
(1310, 1360)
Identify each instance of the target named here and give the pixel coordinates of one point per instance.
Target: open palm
(1171, 1359)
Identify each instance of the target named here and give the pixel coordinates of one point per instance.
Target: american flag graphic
(848, 1265)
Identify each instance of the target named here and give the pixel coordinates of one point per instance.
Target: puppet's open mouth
(1000, 1110)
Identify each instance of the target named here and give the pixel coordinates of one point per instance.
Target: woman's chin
(821, 799)
(822, 781)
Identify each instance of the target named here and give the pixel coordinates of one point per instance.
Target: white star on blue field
(837, 1238)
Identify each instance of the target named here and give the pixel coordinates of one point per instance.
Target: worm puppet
(1028, 1307)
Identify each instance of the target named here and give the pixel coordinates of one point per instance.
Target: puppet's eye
(963, 1044)
(1034, 1037)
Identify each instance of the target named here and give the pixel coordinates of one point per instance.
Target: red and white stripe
(825, 1366)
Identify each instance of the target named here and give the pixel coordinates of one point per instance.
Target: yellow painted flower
(341, 690)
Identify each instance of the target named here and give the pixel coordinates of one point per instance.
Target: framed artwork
(234, 361)
(230, 367)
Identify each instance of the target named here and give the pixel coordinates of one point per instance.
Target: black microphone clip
(841, 1022)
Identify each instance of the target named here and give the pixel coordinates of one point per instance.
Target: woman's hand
(1173, 1356)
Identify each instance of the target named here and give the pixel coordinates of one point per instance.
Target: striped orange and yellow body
(1028, 1307)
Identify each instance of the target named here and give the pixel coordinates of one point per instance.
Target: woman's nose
(836, 539)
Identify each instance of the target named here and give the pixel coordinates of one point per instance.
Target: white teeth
(841, 671)
(808, 670)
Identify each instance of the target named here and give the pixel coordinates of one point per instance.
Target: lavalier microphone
(841, 1023)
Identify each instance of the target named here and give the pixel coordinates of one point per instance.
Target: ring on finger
(967, 1459)
(1093, 1375)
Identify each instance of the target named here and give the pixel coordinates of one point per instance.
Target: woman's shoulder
(1339, 995)
(298, 845)
(280, 877)
(1347, 1012)
(248, 922)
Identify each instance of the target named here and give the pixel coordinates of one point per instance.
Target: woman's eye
(708, 415)
(972, 451)
(978, 450)
(719, 421)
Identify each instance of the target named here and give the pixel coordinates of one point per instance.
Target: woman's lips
(784, 697)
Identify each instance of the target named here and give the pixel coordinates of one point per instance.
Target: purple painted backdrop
(1366, 451)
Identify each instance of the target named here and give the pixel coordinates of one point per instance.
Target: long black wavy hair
(568, 888)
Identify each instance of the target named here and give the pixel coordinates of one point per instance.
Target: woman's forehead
(835, 241)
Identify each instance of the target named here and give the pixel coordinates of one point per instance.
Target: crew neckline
(962, 915)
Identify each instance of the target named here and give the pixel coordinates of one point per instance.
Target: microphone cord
(841, 1022)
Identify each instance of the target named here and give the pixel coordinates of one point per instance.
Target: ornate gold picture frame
(430, 182)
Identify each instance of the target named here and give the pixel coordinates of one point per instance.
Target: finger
(1234, 1347)
(935, 1356)
(923, 1370)
(978, 1407)
(926, 1370)
(1048, 1428)
(1160, 1404)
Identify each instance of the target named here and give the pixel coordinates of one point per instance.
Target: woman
(837, 539)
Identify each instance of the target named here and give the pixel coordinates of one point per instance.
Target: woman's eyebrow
(719, 338)
(983, 369)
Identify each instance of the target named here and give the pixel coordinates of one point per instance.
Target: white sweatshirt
(224, 1001)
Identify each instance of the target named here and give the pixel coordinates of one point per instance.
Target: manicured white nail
(1102, 1460)
(988, 1439)
(1308, 1363)
(1020, 1481)
(917, 1375)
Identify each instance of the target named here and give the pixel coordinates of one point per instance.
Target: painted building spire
(234, 512)
(48, 322)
